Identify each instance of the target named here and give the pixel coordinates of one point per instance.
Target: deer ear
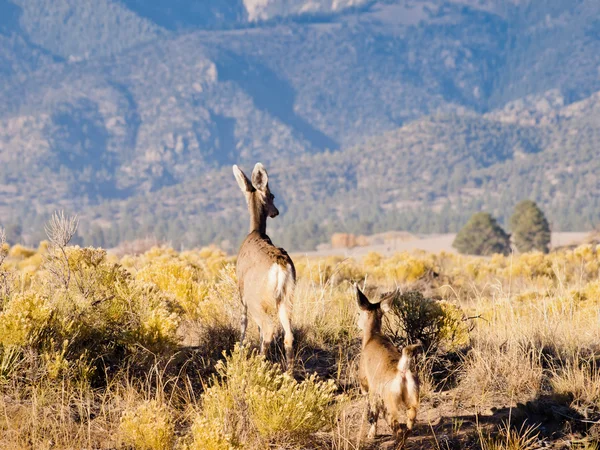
(242, 180)
(363, 301)
(260, 177)
(386, 302)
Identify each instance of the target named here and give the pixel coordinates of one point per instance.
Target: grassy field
(139, 351)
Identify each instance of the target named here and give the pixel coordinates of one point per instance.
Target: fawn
(386, 375)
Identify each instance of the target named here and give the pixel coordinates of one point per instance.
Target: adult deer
(266, 274)
(386, 375)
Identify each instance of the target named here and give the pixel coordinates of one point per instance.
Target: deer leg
(244, 324)
(399, 430)
(361, 431)
(288, 340)
(411, 415)
(372, 416)
(400, 433)
(266, 335)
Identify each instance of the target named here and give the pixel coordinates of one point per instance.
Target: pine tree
(530, 229)
(482, 236)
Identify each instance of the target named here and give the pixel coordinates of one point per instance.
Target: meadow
(105, 350)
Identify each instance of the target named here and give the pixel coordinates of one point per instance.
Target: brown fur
(266, 274)
(386, 376)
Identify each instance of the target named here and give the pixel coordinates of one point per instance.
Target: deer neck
(372, 328)
(258, 217)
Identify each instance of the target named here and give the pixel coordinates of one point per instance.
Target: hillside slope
(459, 104)
(427, 176)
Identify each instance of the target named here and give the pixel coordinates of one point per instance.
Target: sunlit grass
(84, 335)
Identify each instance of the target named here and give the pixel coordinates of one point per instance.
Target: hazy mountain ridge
(427, 176)
(128, 102)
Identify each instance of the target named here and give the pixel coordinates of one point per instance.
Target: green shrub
(414, 318)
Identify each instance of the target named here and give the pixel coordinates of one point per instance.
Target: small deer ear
(386, 302)
(363, 301)
(386, 305)
(242, 179)
(260, 177)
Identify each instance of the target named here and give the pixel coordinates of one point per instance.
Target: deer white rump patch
(278, 278)
(401, 378)
(395, 385)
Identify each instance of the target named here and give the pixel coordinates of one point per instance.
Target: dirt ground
(445, 423)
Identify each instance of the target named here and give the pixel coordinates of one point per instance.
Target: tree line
(482, 235)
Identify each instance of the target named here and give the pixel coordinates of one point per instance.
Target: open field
(433, 243)
(107, 352)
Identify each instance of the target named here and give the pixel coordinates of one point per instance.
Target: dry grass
(105, 351)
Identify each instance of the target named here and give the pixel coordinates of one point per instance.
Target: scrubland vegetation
(139, 351)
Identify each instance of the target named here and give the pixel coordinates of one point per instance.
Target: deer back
(266, 274)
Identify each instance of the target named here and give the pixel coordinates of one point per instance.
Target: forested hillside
(369, 115)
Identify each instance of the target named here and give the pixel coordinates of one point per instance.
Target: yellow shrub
(333, 269)
(591, 291)
(99, 311)
(454, 332)
(531, 265)
(212, 259)
(255, 400)
(206, 435)
(19, 252)
(24, 317)
(158, 326)
(178, 279)
(56, 363)
(43, 247)
(149, 426)
(400, 268)
(372, 260)
(31, 264)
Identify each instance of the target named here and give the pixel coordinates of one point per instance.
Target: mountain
(389, 114)
(429, 175)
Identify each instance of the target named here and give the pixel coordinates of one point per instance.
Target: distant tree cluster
(482, 235)
(530, 229)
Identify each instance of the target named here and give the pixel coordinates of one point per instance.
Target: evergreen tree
(530, 229)
(482, 236)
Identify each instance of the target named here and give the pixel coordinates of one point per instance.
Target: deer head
(258, 196)
(369, 320)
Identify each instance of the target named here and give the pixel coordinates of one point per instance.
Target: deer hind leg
(267, 330)
(411, 415)
(244, 322)
(372, 417)
(399, 430)
(402, 432)
(284, 318)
